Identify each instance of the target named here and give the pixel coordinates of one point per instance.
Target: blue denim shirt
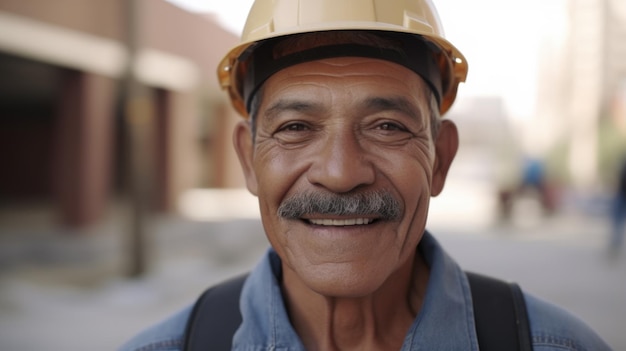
(445, 322)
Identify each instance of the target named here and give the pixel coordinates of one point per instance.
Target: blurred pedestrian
(619, 213)
(535, 178)
(533, 181)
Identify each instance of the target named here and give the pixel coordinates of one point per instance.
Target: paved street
(69, 295)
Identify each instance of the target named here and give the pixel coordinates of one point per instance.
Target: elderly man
(343, 144)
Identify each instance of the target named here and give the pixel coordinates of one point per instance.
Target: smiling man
(343, 143)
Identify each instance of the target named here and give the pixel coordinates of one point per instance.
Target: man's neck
(379, 321)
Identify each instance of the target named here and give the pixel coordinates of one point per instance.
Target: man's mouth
(340, 222)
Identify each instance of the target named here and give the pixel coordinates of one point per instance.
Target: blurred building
(581, 84)
(63, 130)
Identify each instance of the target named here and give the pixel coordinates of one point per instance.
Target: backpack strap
(215, 317)
(500, 314)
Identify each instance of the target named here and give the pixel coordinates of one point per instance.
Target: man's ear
(446, 145)
(242, 140)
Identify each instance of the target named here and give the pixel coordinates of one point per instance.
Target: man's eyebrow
(297, 105)
(395, 103)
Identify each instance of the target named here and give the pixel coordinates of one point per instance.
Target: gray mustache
(380, 204)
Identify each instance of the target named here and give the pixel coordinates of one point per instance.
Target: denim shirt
(444, 323)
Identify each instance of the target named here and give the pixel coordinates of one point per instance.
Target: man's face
(345, 127)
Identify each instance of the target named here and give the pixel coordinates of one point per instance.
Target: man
(343, 145)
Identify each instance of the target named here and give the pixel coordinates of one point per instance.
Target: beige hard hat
(414, 22)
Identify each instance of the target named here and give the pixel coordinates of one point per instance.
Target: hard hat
(416, 21)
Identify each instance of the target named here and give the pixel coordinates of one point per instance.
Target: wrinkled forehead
(352, 78)
(269, 57)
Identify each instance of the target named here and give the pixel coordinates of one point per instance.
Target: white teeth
(341, 222)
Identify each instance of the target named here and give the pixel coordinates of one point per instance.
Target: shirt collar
(445, 321)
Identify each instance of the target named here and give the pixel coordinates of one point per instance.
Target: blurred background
(121, 198)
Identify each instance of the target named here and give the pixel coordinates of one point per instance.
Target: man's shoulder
(553, 328)
(166, 335)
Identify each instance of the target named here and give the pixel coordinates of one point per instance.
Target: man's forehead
(311, 102)
(304, 103)
(363, 78)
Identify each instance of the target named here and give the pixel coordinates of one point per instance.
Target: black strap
(215, 317)
(499, 313)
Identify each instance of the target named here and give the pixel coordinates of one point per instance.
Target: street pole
(138, 120)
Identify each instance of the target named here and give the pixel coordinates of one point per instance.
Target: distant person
(534, 180)
(619, 213)
(343, 143)
(535, 177)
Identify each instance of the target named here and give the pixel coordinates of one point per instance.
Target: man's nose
(342, 164)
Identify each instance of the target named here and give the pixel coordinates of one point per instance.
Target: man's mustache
(379, 204)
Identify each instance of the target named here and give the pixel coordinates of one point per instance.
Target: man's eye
(391, 126)
(294, 127)
(293, 133)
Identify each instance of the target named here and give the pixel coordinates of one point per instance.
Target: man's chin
(341, 280)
